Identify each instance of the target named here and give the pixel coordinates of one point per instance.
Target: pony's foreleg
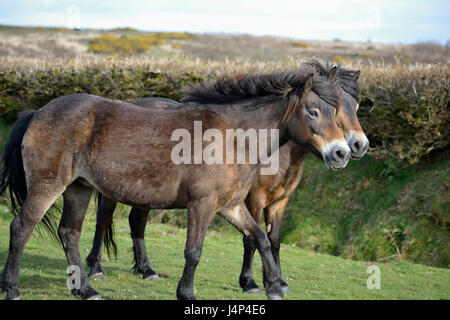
(243, 221)
(273, 217)
(30, 214)
(105, 211)
(138, 221)
(76, 200)
(246, 278)
(199, 216)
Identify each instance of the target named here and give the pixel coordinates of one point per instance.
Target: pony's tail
(135, 267)
(109, 241)
(12, 174)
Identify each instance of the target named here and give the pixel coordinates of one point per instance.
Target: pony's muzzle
(359, 144)
(336, 155)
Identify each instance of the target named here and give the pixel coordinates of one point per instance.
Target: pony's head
(346, 116)
(312, 120)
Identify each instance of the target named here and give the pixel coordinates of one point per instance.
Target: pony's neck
(262, 113)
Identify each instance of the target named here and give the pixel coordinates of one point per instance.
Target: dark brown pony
(268, 195)
(79, 143)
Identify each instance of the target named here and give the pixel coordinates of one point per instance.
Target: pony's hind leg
(105, 211)
(76, 200)
(246, 278)
(273, 216)
(30, 214)
(138, 221)
(243, 221)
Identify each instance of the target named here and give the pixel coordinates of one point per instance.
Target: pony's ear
(332, 75)
(356, 75)
(309, 83)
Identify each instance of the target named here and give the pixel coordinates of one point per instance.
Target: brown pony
(269, 194)
(80, 142)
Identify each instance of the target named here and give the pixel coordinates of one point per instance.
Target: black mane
(346, 77)
(288, 85)
(253, 85)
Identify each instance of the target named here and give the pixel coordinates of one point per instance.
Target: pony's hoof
(151, 277)
(88, 293)
(253, 291)
(274, 297)
(185, 295)
(14, 298)
(285, 289)
(97, 276)
(249, 286)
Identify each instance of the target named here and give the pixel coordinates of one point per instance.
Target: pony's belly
(144, 197)
(142, 191)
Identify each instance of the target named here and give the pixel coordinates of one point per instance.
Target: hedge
(404, 108)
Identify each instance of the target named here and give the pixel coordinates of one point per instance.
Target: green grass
(369, 211)
(310, 275)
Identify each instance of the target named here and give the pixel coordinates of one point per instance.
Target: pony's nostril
(357, 145)
(339, 154)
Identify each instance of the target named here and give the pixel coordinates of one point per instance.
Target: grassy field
(310, 275)
(39, 42)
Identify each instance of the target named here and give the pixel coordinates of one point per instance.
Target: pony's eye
(313, 113)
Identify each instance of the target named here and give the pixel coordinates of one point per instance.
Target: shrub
(125, 29)
(342, 60)
(366, 54)
(404, 108)
(405, 111)
(124, 44)
(300, 44)
(173, 35)
(127, 44)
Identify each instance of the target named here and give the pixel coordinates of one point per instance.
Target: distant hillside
(38, 42)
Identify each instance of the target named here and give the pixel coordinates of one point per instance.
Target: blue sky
(349, 20)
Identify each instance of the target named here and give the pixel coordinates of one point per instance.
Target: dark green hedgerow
(404, 109)
(19, 91)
